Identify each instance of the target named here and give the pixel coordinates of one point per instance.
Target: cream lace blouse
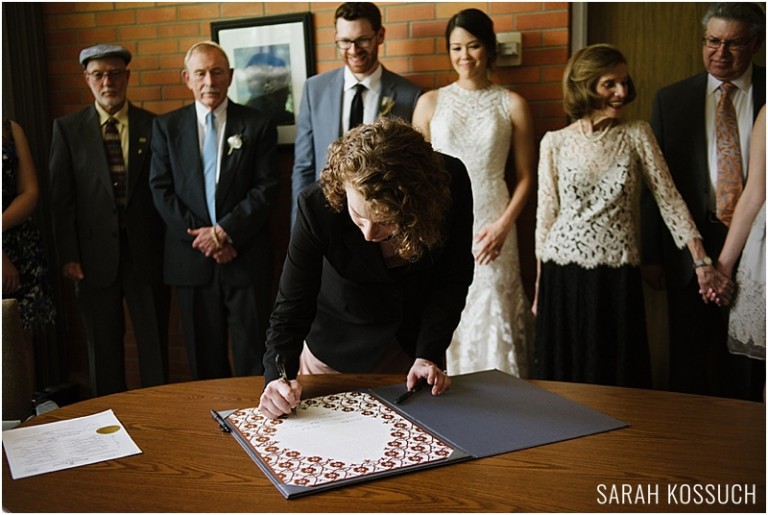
(589, 190)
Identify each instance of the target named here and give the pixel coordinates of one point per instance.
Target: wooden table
(674, 443)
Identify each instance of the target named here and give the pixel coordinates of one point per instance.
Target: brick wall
(158, 35)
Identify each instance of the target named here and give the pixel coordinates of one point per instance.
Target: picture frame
(272, 57)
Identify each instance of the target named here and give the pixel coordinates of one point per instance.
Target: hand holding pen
(284, 377)
(281, 396)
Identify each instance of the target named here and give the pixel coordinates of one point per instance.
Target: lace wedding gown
(496, 325)
(746, 328)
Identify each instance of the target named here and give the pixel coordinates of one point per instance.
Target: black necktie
(356, 112)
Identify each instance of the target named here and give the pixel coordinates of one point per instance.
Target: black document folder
(482, 414)
(511, 413)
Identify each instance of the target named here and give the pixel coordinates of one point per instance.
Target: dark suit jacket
(319, 123)
(337, 293)
(245, 193)
(677, 119)
(83, 202)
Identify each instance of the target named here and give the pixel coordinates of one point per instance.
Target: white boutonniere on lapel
(235, 143)
(387, 104)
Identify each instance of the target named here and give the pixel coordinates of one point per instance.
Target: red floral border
(409, 445)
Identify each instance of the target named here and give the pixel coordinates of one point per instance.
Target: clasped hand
(714, 286)
(217, 248)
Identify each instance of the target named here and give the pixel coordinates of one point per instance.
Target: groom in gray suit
(107, 231)
(214, 180)
(328, 99)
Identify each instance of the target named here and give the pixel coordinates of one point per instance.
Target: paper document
(66, 444)
(362, 435)
(337, 438)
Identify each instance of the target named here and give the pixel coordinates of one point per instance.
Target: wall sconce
(509, 48)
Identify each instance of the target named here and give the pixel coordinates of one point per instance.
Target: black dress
(590, 326)
(23, 246)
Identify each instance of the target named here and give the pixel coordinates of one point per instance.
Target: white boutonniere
(235, 143)
(387, 104)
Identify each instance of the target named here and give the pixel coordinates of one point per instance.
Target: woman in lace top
(480, 122)
(590, 323)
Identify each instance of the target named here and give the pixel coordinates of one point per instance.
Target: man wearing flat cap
(109, 236)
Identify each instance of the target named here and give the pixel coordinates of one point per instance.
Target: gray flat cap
(104, 50)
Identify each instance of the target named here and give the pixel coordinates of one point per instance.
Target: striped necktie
(116, 165)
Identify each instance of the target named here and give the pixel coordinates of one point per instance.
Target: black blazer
(677, 119)
(83, 205)
(245, 194)
(338, 295)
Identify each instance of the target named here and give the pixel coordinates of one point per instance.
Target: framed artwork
(272, 57)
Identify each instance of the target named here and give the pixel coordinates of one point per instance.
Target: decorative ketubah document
(66, 444)
(358, 436)
(337, 438)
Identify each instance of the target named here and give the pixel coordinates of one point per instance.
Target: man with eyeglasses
(214, 181)
(684, 120)
(108, 234)
(329, 104)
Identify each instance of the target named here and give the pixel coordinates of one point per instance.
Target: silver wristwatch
(705, 261)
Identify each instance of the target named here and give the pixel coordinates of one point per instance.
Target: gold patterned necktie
(729, 167)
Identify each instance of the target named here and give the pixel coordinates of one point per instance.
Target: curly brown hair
(395, 169)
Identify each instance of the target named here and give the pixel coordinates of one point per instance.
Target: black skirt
(590, 326)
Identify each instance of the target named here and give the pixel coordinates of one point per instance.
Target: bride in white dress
(479, 122)
(746, 238)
